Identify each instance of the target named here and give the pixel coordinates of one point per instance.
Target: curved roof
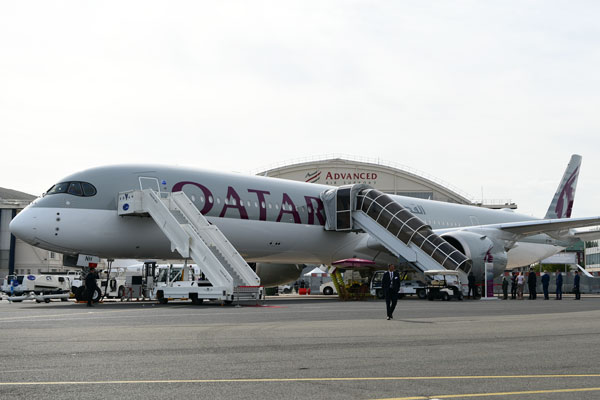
(405, 175)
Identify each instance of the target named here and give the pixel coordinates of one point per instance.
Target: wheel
(46, 300)
(78, 292)
(97, 294)
(63, 299)
(287, 291)
(400, 295)
(327, 291)
(445, 296)
(430, 296)
(421, 293)
(460, 297)
(379, 294)
(121, 292)
(161, 297)
(195, 299)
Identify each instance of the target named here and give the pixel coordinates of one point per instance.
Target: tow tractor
(444, 285)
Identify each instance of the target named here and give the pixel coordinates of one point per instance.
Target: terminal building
(384, 176)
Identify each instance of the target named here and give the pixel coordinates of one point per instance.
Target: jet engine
(278, 274)
(476, 247)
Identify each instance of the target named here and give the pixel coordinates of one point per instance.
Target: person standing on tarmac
(513, 286)
(472, 286)
(391, 285)
(532, 283)
(559, 280)
(505, 287)
(576, 286)
(520, 284)
(545, 284)
(90, 285)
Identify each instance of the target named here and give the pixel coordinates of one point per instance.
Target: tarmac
(296, 347)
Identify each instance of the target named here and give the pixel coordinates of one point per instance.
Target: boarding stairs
(361, 208)
(194, 237)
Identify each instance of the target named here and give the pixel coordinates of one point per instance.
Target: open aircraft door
(148, 182)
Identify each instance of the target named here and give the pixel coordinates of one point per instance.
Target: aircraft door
(147, 182)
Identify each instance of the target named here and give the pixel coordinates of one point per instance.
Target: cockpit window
(58, 188)
(88, 189)
(83, 189)
(75, 189)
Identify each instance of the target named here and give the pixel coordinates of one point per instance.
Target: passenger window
(75, 189)
(88, 189)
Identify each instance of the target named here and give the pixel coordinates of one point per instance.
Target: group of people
(517, 281)
(391, 285)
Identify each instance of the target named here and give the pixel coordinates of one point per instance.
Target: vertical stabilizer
(562, 203)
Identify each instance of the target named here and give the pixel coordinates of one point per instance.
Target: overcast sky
(491, 96)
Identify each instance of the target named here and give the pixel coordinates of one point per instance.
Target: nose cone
(23, 226)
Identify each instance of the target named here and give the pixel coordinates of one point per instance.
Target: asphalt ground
(302, 348)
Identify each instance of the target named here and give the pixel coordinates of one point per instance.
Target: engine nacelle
(476, 247)
(278, 274)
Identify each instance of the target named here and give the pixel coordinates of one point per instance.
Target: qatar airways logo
(568, 194)
(235, 207)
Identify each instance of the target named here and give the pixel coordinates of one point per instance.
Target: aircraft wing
(528, 228)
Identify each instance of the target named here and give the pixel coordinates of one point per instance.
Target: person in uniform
(391, 285)
(532, 283)
(90, 285)
(559, 281)
(545, 284)
(513, 286)
(576, 286)
(472, 286)
(505, 287)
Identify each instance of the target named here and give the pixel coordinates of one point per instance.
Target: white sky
(482, 94)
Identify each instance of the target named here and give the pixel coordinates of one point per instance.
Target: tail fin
(562, 203)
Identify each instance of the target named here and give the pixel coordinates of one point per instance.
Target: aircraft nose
(23, 226)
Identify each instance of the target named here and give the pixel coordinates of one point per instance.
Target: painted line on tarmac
(278, 380)
(45, 316)
(466, 395)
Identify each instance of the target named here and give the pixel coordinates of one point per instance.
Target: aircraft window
(59, 188)
(277, 206)
(226, 201)
(233, 202)
(218, 200)
(270, 206)
(75, 189)
(193, 198)
(210, 199)
(262, 204)
(201, 199)
(88, 189)
(248, 202)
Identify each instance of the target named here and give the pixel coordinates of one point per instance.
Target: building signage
(341, 178)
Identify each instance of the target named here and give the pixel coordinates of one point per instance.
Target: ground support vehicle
(184, 283)
(443, 285)
(41, 287)
(407, 287)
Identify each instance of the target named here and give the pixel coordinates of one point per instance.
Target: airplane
(281, 224)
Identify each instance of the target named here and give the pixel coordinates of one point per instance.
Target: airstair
(194, 237)
(362, 208)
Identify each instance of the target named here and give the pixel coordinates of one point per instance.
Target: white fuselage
(266, 219)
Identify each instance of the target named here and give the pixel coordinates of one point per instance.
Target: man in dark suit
(559, 280)
(391, 285)
(532, 283)
(546, 284)
(576, 286)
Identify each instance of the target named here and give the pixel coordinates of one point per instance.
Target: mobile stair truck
(193, 237)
